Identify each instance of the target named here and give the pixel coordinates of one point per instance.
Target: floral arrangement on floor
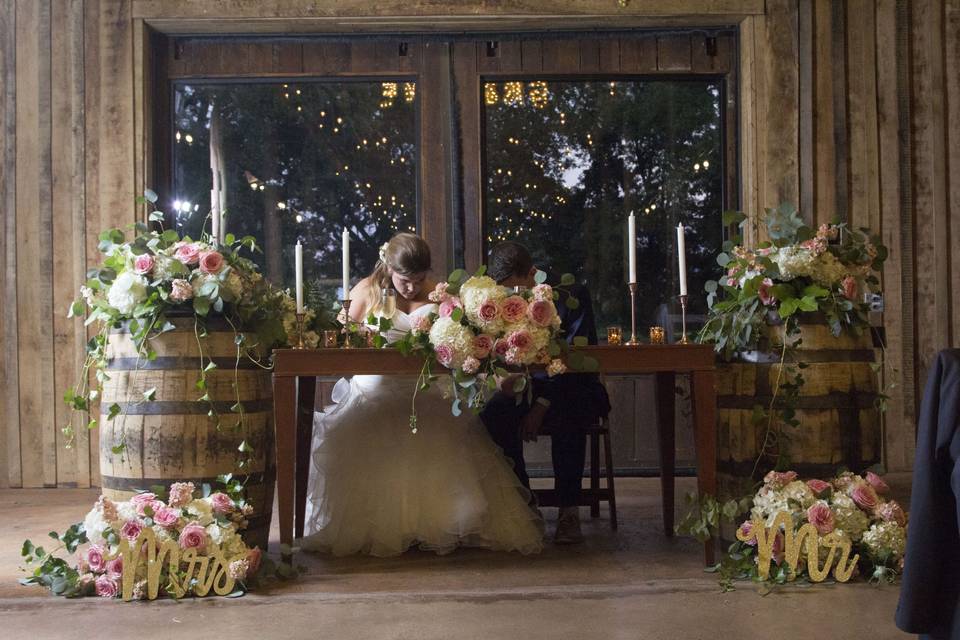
(156, 275)
(799, 269)
(198, 523)
(484, 332)
(851, 505)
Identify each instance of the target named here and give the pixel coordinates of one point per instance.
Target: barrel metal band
(118, 483)
(860, 400)
(194, 407)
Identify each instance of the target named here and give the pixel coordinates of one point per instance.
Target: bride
(378, 488)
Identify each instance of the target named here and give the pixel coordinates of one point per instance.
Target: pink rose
(764, 292)
(542, 292)
(470, 365)
(444, 354)
(211, 262)
(221, 502)
(520, 340)
(131, 529)
(488, 311)
(500, 347)
(513, 356)
(107, 587)
(181, 493)
(746, 531)
(422, 324)
(892, 512)
(877, 483)
(818, 486)
(780, 478)
(513, 309)
(141, 500)
(448, 305)
(850, 288)
(193, 536)
(115, 567)
(482, 345)
(439, 293)
(820, 516)
(254, 557)
(731, 282)
(865, 496)
(96, 558)
(180, 290)
(143, 264)
(541, 312)
(166, 517)
(188, 254)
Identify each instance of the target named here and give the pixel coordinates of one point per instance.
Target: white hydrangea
(799, 492)
(167, 268)
(886, 536)
(848, 516)
(200, 511)
(95, 525)
(475, 291)
(458, 337)
(795, 262)
(126, 511)
(127, 291)
(768, 503)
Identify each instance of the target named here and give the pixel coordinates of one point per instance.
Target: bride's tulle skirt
(377, 488)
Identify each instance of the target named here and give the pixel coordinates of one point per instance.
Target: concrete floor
(634, 584)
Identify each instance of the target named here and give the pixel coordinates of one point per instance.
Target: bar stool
(594, 494)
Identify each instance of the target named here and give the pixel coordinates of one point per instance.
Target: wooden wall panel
(952, 92)
(69, 260)
(9, 382)
(34, 245)
(824, 158)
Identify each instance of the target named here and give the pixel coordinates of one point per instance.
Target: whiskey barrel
(171, 438)
(839, 421)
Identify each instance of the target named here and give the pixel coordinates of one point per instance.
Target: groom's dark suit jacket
(576, 399)
(930, 593)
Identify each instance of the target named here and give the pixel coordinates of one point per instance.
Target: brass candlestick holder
(300, 316)
(346, 323)
(683, 319)
(633, 316)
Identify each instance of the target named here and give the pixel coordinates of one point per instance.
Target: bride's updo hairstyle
(406, 254)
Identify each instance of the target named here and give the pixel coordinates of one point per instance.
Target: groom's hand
(532, 423)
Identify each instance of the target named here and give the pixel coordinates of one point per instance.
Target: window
(298, 160)
(567, 161)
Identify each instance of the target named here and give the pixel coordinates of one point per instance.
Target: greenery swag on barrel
(797, 388)
(179, 365)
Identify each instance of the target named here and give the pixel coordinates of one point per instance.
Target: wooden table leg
(705, 421)
(306, 392)
(666, 436)
(284, 424)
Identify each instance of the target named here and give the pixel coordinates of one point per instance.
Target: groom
(564, 403)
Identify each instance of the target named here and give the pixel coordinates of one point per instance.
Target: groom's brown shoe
(568, 526)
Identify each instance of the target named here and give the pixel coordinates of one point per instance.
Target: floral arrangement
(799, 269)
(851, 505)
(483, 332)
(199, 523)
(156, 275)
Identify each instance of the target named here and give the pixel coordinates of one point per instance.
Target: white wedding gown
(377, 488)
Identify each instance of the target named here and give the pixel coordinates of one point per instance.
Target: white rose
(127, 291)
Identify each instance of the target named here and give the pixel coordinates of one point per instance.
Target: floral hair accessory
(383, 253)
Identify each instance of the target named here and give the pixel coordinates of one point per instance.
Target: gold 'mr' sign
(202, 572)
(793, 542)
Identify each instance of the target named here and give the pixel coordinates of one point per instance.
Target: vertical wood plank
(326, 57)
(952, 75)
(862, 107)
(824, 156)
(841, 143)
(69, 259)
(9, 381)
(531, 56)
(806, 110)
(609, 55)
(929, 185)
(561, 56)
(511, 55)
(589, 55)
(468, 96)
(434, 152)
(899, 440)
(38, 451)
(638, 54)
(749, 162)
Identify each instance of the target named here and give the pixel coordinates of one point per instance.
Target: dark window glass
(566, 162)
(298, 161)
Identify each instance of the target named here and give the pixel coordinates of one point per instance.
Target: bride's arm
(359, 301)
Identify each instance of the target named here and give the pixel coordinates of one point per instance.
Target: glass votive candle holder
(369, 335)
(614, 335)
(656, 335)
(330, 338)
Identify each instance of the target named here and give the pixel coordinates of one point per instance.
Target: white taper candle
(682, 258)
(346, 264)
(632, 247)
(299, 271)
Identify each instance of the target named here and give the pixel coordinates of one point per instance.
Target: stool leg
(594, 475)
(608, 464)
